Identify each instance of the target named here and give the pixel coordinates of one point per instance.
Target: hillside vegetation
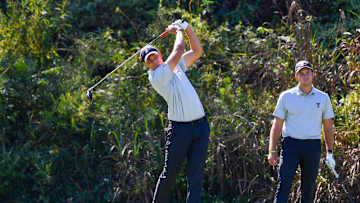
(57, 146)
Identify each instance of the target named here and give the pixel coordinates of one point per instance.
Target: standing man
(188, 130)
(299, 115)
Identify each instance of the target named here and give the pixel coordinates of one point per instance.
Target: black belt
(194, 122)
(303, 140)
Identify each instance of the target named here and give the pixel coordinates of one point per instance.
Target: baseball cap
(302, 64)
(146, 51)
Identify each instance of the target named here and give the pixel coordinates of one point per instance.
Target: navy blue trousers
(305, 153)
(184, 141)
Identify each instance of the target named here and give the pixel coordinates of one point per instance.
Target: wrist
(179, 29)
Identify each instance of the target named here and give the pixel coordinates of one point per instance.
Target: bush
(56, 146)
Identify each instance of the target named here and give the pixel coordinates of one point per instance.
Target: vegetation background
(56, 146)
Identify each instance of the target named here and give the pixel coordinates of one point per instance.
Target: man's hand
(275, 134)
(273, 158)
(181, 23)
(330, 160)
(172, 29)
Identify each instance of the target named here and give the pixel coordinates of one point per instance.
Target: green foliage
(56, 146)
(344, 17)
(128, 19)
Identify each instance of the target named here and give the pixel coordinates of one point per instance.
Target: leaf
(20, 66)
(222, 91)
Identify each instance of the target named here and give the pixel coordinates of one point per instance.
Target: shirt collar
(300, 92)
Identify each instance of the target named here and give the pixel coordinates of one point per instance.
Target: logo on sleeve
(318, 104)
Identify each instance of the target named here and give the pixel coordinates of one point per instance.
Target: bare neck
(306, 88)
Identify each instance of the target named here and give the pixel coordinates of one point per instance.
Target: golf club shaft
(347, 194)
(342, 184)
(117, 67)
(335, 173)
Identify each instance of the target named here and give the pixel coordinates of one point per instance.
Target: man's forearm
(275, 134)
(177, 52)
(179, 41)
(328, 127)
(194, 41)
(329, 138)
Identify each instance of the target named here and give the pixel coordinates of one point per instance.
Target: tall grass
(56, 146)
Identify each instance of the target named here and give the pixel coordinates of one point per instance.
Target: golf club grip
(159, 37)
(163, 34)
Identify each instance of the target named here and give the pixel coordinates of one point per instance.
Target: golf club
(341, 183)
(88, 92)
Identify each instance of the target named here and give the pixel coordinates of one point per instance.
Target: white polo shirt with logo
(183, 102)
(303, 113)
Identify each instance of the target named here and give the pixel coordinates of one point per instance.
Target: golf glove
(330, 160)
(181, 23)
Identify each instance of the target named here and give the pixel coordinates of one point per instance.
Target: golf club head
(89, 95)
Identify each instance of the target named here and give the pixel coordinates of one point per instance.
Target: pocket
(317, 146)
(287, 144)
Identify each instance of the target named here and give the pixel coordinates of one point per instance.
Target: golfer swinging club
(299, 115)
(187, 135)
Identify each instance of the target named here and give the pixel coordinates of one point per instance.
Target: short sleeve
(328, 111)
(161, 76)
(182, 64)
(280, 110)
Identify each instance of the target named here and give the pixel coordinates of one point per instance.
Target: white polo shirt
(303, 113)
(183, 101)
